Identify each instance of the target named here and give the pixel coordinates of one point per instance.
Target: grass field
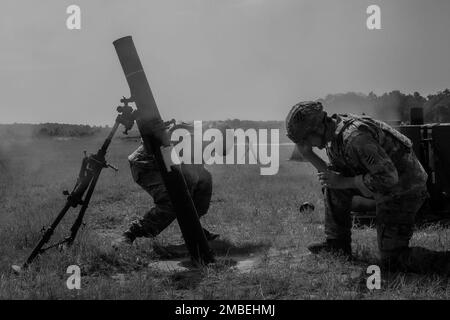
(257, 216)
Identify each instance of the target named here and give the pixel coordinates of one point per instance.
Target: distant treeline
(46, 130)
(394, 105)
(66, 130)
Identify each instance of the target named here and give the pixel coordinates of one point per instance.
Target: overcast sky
(215, 59)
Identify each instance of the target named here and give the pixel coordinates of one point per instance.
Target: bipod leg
(99, 163)
(46, 237)
(79, 220)
(87, 179)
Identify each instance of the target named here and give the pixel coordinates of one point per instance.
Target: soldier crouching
(371, 159)
(146, 174)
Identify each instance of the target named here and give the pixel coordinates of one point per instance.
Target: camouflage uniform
(385, 168)
(145, 172)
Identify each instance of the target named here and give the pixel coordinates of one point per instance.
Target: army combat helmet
(304, 118)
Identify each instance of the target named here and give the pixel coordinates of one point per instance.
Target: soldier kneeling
(371, 159)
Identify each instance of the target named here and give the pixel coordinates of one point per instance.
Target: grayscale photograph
(221, 156)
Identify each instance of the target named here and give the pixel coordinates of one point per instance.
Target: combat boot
(336, 246)
(209, 235)
(126, 239)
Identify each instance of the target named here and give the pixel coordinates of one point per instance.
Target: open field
(257, 216)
